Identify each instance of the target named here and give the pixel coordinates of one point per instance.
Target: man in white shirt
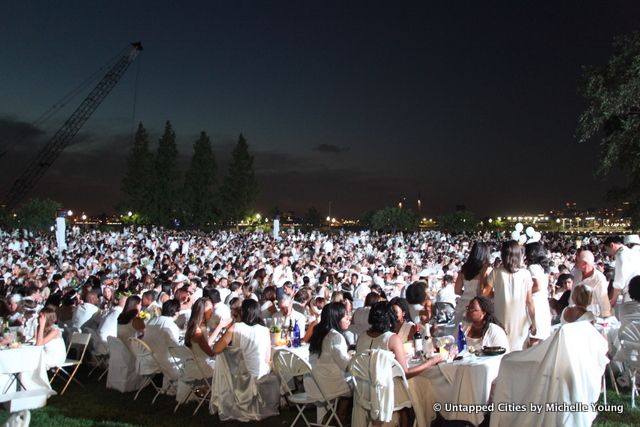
(627, 265)
(447, 292)
(87, 313)
(360, 291)
(590, 276)
(109, 325)
(288, 316)
(281, 274)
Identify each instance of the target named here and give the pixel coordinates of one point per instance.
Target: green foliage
(164, 201)
(312, 217)
(613, 113)
(457, 222)
(36, 215)
(137, 183)
(198, 195)
(239, 188)
(394, 219)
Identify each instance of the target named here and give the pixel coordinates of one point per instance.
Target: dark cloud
(17, 135)
(330, 148)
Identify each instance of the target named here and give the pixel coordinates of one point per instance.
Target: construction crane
(63, 137)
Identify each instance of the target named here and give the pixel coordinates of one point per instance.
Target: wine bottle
(417, 344)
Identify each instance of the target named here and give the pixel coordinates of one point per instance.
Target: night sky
(357, 104)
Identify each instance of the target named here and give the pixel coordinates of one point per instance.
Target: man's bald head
(585, 261)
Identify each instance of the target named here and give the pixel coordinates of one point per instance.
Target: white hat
(632, 239)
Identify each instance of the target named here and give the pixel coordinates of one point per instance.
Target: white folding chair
(367, 388)
(77, 342)
(99, 352)
(182, 357)
(629, 336)
(289, 365)
(146, 366)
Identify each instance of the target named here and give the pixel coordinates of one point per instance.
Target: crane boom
(63, 137)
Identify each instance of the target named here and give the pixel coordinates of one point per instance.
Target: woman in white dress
(476, 267)
(129, 325)
(329, 358)
(484, 328)
(49, 336)
(252, 337)
(510, 285)
(381, 336)
(538, 265)
(405, 328)
(582, 297)
(197, 337)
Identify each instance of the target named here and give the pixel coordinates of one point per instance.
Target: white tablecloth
(302, 351)
(466, 381)
(27, 362)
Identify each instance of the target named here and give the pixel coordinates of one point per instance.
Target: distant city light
(84, 217)
(70, 212)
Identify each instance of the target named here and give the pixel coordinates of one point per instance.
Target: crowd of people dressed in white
(346, 292)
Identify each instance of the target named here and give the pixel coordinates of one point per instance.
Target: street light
(70, 212)
(129, 214)
(84, 217)
(258, 216)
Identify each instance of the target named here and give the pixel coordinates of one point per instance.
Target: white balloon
(529, 232)
(537, 236)
(515, 235)
(519, 227)
(522, 240)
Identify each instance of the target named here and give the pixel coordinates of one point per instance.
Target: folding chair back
(185, 363)
(288, 365)
(77, 343)
(629, 336)
(368, 388)
(145, 362)
(146, 365)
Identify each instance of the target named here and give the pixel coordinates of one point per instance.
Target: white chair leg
(604, 387)
(634, 391)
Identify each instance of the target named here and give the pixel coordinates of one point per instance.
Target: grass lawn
(96, 406)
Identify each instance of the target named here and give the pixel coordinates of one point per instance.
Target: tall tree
(394, 219)
(613, 113)
(166, 179)
(239, 189)
(137, 182)
(198, 194)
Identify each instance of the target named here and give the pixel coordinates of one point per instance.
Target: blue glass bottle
(462, 340)
(296, 335)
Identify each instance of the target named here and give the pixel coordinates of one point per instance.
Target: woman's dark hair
(511, 254)
(416, 293)
(330, 318)
(563, 279)
(381, 318)
(378, 290)
(260, 273)
(534, 253)
(251, 314)
(269, 294)
(130, 310)
(634, 288)
(372, 298)
(170, 308)
(478, 258)
(404, 306)
(196, 319)
(486, 305)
